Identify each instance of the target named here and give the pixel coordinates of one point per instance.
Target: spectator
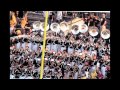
(67, 57)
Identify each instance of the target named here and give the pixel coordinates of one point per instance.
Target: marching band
(78, 39)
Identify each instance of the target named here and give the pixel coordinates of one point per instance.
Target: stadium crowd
(70, 56)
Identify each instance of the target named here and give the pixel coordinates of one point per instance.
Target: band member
(103, 22)
(70, 48)
(97, 22)
(59, 16)
(20, 14)
(63, 47)
(24, 21)
(18, 44)
(48, 45)
(23, 43)
(74, 14)
(30, 44)
(91, 20)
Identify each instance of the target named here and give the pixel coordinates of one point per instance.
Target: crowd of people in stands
(70, 56)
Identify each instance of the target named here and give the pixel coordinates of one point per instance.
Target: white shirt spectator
(63, 48)
(11, 29)
(41, 46)
(86, 73)
(67, 75)
(46, 68)
(54, 47)
(19, 58)
(38, 69)
(35, 47)
(64, 12)
(23, 45)
(98, 64)
(79, 51)
(48, 47)
(82, 49)
(76, 75)
(38, 60)
(80, 67)
(18, 45)
(28, 77)
(11, 57)
(12, 77)
(70, 50)
(22, 77)
(30, 45)
(59, 15)
(93, 68)
(94, 52)
(72, 63)
(103, 69)
(52, 69)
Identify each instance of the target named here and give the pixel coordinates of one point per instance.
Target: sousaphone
(83, 28)
(93, 31)
(55, 27)
(64, 27)
(75, 29)
(42, 26)
(36, 25)
(105, 34)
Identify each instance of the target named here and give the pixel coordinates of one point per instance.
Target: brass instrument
(55, 27)
(75, 25)
(42, 26)
(105, 33)
(36, 25)
(64, 27)
(83, 28)
(93, 31)
(75, 29)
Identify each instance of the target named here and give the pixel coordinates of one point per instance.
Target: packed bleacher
(77, 45)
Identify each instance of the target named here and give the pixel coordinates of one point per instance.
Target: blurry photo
(77, 44)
